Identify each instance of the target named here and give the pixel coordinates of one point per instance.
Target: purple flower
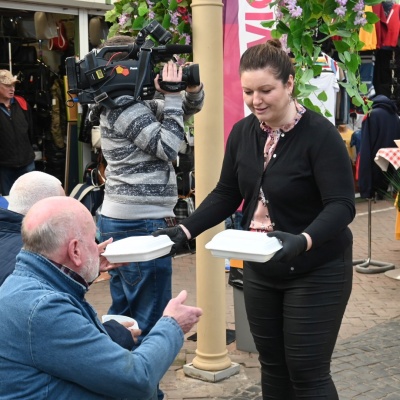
(122, 19)
(187, 38)
(340, 11)
(294, 10)
(278, 13)
(174, 19)
(360, 20)
(341, 2)
(359, 6)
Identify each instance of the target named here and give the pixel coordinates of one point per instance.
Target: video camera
(97, 78)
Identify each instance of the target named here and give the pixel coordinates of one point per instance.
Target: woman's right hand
(176, 234)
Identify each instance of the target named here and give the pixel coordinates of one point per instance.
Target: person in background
(52, 345)
(27, 190)
(291, 167)
(379, 129)
(139, 143)
(16, 134)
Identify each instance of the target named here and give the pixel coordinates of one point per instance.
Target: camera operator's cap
(6, 77)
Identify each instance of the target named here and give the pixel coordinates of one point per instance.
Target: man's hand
(134, 332)
(105, 265)
(292, 245)
(185, 316)
(170, 73)
(176, 234)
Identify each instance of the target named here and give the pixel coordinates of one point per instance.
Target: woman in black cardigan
(291, 167)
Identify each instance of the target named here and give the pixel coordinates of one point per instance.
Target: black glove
(293, 245)
(177, 235)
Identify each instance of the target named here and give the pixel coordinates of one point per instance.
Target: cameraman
(140, 142)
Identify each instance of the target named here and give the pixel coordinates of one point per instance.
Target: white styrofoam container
(138, 248)
(120, 318)
(243, 245)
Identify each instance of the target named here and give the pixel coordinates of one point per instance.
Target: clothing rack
(369, 266)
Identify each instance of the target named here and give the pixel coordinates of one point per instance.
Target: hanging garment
(368, 38)
(388, 28)
(58, 114)
(326, 82)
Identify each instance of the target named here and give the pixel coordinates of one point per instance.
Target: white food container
(243, 245)
(138, 248)
(120, 318)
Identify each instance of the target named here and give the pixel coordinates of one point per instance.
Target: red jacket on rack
(388, 28)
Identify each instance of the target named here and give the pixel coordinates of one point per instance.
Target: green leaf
(138, 23)
(368, 28)
(347, 56)
(166, 22)
(363, 88)
(111, 16)
(306, 76)
(371, 18)
(142, 9)
(268, 24)
(341, 46)
(173, 5)
(275, 34)
(322, 96)
(181, 27)
(282, 28)
(113, 30)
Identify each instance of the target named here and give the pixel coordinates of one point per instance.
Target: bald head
(52, 222)
(31, 187)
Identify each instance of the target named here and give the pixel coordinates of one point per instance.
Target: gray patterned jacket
(139, 143)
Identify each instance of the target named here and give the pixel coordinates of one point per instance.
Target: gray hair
(31, 187)
(48, 237)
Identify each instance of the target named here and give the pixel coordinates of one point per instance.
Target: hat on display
(7, 78)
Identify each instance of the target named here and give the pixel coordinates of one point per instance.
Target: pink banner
(242, 29)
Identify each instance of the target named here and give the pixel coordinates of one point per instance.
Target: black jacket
(16, 136)
(308, 185)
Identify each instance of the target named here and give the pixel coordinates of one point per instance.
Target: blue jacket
(10, 246)
(53, 346)
(10, 241)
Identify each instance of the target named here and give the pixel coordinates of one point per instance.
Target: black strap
(144, 61)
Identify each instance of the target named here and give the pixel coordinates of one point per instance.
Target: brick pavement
(366, 359)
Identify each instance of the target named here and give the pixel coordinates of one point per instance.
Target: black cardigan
(308, 183)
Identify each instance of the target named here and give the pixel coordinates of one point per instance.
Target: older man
(16, 132)
(52, 345)
(26, 191)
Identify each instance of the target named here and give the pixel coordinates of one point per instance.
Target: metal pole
(369, 266)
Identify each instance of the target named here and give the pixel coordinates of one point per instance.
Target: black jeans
(295, 323)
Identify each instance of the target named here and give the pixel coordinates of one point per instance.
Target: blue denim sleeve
(91, 361)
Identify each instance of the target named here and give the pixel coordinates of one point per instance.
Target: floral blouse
(261, 221)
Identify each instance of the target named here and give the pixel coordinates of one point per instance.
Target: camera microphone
(174, 49)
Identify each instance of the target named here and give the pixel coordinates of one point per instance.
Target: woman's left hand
(292, 245)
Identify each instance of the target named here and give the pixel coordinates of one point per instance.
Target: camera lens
(191, 75)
